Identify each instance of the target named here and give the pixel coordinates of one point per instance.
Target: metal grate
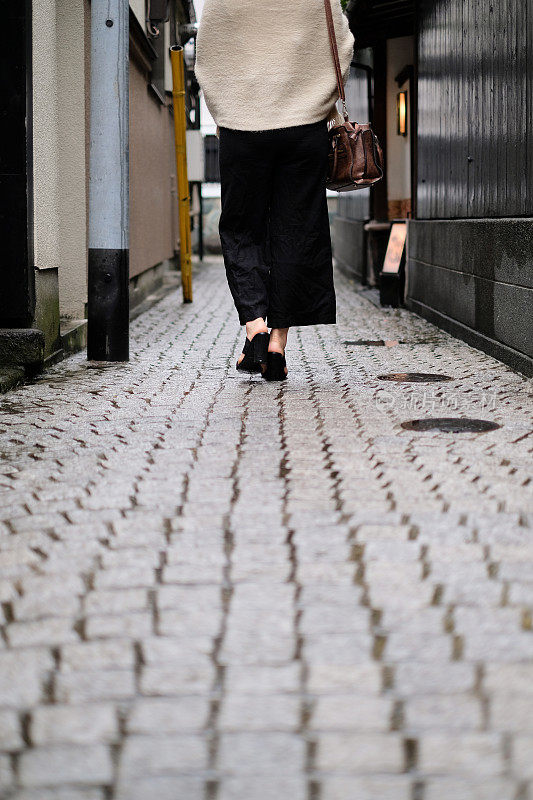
(451, 425)
(212, 171)
(415, 377)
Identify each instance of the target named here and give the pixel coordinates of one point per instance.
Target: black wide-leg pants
(274, 225)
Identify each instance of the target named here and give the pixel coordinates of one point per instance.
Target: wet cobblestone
(217, 588)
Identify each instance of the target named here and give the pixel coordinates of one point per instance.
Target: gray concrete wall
(475, 278)
(347, 237)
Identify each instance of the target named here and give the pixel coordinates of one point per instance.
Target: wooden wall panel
(475, 132)
(528, 105)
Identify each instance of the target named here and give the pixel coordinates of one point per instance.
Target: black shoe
(255, 353)
(275, 368)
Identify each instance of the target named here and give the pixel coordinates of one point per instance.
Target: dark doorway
(17, 294)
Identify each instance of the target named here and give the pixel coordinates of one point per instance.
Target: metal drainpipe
(184, 200)
(108, 274)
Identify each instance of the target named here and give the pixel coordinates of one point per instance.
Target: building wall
(470, 249)
(153, 198)
(44, 169)
(59, 155)
(139, 9)
(475, 109)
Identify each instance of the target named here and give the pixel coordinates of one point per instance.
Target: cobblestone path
(219, 589)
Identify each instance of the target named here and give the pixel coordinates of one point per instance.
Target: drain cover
(451, 425)
(387, 342)
(414, 377)
(372, 342)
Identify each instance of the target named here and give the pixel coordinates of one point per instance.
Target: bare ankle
(278, 340)
(256, 326)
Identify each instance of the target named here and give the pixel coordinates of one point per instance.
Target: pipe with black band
(108, 273)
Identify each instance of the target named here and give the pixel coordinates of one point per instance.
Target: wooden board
(395, 250)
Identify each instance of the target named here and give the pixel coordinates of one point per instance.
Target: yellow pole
(180, 126)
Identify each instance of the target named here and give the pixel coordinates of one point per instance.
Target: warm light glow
(401, 106)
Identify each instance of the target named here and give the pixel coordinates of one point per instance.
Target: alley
(219, 589)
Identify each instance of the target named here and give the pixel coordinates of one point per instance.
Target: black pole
(201, 224)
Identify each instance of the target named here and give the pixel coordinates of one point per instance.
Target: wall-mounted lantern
(401, 113)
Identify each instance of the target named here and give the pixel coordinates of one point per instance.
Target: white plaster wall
(45, 134)
(208, 123)
(60, 226)
(399, 54)
(168, 64)
(139, 9)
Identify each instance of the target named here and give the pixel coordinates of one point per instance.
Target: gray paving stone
(159, 755)
(328, 678)
(263, 788)
(177, 679)
(61, 603)
(22, 676)
(7, 776)
(168, 715)
(460, 789)
(417, 645)
(94, 685)
(253, 712)
(163, 787)
(253, 679)
(511, 712)
(261, 754)
(510, 679)
(351, 712)
(192, 573)
(384, 788)
(51, 631)
(257, 646)
(133, 625)
(370, 613)
(109, 654)
(338, 648)
(345, 595)
(520, 594)
(477, 754)
(455, 711)
(10, 730)
(161, 650)
(128, 577)
(498, 647)
(324, 619)
(469, 620)
(376, 532)
(59, 793)
(49, 766)
(359, 753)
(521, 756)
(71, 724)
(116, 602)
(419, 677)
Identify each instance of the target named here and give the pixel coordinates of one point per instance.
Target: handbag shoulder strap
(335, 54)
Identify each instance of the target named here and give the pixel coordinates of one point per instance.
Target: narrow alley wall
(470, 248)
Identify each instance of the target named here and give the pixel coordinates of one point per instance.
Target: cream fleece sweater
(265, 64)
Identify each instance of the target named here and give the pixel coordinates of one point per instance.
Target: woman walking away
(269, 81)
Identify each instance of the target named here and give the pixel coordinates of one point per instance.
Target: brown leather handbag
(355, 158)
